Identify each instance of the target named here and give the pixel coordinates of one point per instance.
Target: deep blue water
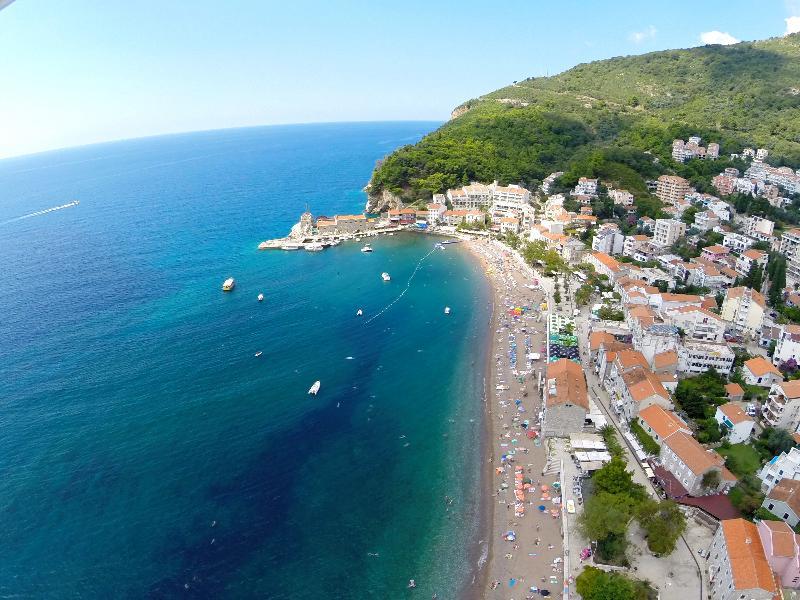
(145, 451)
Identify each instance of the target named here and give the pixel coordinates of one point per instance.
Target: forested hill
(602, 116)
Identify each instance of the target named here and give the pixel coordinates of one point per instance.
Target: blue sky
(85, 71)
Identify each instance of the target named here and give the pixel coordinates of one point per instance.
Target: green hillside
(599, 118)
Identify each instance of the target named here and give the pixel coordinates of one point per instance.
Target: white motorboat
(385, 276)
(228, 284)
(439, 246)
(447, 310)
(259, 353)
(314, 388)
(366, 248)
(261, 297)
(359, 313)
(291, 247)
(314, 247)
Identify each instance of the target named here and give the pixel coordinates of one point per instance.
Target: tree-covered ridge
(621, 112)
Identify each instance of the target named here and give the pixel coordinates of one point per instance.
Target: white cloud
(792, 25)
(637, 37)
(718, 37)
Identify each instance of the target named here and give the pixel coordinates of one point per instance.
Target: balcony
(770, 416)
(777, 399)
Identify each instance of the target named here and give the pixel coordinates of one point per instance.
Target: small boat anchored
(385, 276)
(359, 313)
(259, 353)
(314, 388)
(447, 310)
(366, 248)
(261, 297)
(228, 284)
(314, 247)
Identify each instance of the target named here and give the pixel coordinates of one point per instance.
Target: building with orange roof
(782, 407)
(665, 362)
(668, 300)
(782, 549)
(605, 265)
(699, 357)
(509, 224)
(759, 371)
(737, 564)
(714, 253)
(638, 389)
(660, 423)
(566, 399)
(606, 355)
(698, 323)
(783, 501)
(624, 361)
(734, 392)
(743, 309)
(750, 258)
(732, 418)
(689, 462)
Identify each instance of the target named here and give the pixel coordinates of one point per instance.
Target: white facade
(723, 572)
(737, 242)
(738, 425)
(759, 228)
(698, 357)
(784, 466)
(788, 345)
(667, 232)
(744, 308)
(782, 407)
(609, 240)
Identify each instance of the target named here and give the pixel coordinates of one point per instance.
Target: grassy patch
(649, 444)
(744, 459)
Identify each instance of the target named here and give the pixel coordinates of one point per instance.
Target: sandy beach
(528, 560)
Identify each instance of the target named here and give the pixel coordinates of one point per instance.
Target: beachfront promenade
(532, 557)
(537, 556)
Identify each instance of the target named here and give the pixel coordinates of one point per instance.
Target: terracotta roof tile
(663, 422)
(569, 383)
(760, 366)
(749, 566)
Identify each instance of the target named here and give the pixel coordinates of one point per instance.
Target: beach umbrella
(545, 487)
(542, 508)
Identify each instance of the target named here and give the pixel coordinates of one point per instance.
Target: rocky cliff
(381, 201)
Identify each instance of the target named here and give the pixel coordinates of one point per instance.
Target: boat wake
(403, 293)
(41, 212)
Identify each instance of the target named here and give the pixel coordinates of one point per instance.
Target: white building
(744, 309)
(621, 197)
(790, 248)
(585, 187)
(738, 424)
(699, 357)
(436, 211)
(737, 242)
(782, 407)
(689, 462)
(748, 259)
(788, 344)
(604, 265)
(706, 220)
(699, 324)
(667, 232)
(759, 371)
(784, 466)
(509, 225)
(737, 564)
(759, 228)
(470, 197)
(609, 240)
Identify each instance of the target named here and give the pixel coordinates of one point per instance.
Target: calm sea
(146, 452)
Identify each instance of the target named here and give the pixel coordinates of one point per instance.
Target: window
(785, 515)
(770, 506)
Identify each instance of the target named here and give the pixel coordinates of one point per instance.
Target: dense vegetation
(616, 500)
(612, 118)
(594, 584)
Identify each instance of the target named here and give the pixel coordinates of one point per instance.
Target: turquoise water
(145, 450)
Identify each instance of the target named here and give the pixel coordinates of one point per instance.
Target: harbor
(315, 234)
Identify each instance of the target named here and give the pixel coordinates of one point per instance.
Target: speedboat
(386, 276)
(366, 248)
(261, 297)
(314, 247)
(359, 313)
(314, 388)
(447, 310)
(290, 247)
(259, 353)
(228, 284)
(439, 246)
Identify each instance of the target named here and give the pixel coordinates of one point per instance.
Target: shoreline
(479, 561)
(537, 552)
